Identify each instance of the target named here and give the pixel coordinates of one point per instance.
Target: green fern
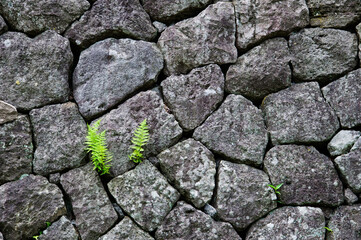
(141, 137)
(96, 144)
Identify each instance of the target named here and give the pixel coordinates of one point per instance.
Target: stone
(308, 177)
(258, 20)
(60, 230)
(126, 229)
(110, 70)
(236, 131)
(54, 178)
(357, 145)
(121, 123)
(26, 205)
(94, 213)
(299, 114)
(290, 223)
(34, 71)
(344, 96)
(243, 194)
(191, 169)
(144, 194)
(1, 236)
(16, 149)
(322, 55)
(193, 97)
(207, 38)
(108, 18)
(8, 112)
(350, 197)
(262, 70)
(118, 210)
(342, 142)
(59, 134)
(159, 26)
(211, 211)
(3, 28)
(345, 223)
(185, 222)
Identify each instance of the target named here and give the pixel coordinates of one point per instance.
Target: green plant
(276, 188)
(48, 224)
(141, 137)
(96, 145)
(328, 229)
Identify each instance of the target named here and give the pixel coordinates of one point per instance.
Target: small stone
(159, 26)
(357, 145)
(54, 178)
(342, 142)
(8, 112)
(350, 197)
(345, 223)
(349, 166)
(3, 28)
(118, 210)
(211, 211)
(60, 230)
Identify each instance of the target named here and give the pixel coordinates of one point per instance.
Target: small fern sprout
(141, 137)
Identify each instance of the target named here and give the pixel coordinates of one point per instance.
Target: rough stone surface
(342, 142)
(299, 114)
(207, 38)
(191, 167)
(93, 210)
(185, 222)
(344, 96)
(54, 178)
(26, 205)
(243, 194)
(34, 71)
(60, 230)
(159, 26)
(261, 71)
(59, 133)
(290, 223)
(120, 124)
(193, 97)
(350, 197)
(236, 130)
(108, 18)
(258, 20)
(8, 112)
(3, 28)
(322, 54)
(126, 229)
(149, 197)
(308, 177)
(357, 145)
(345, 223)
(16, 149)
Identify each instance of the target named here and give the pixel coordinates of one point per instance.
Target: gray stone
(34, 71)
(207, 38)
(185, 222)
(126, 229)
(211, 211)
(322, 54)
(108, 18)
(94, 213)
(54, 178)
(350, 197)
(8, 112)
(16, 149)
(1, 236)
(342, 142)
(60, 230)
(308, 177)
(110, 70)
(299, 114)
(261, 71)
(36, 16)
(26, 205)
(193, 97)
(59, 133)
(119, 211)
(357, 145)
(159, 26)
(258, 20)
(290, 223)
(121, 123)
(344, 96)
(236, 130)
(345, 223)
(243, 194)
(144, 194)
(3, 28)
(191, 168)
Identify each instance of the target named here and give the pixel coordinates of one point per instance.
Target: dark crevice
(76, 55)
(33, 142)
(68, 204)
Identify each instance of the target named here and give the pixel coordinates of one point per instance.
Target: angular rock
(191, 167)
(159, 26)
(110, 70)
(185, 222)
(349, 166)
(60, 230)
(193, 97)
(344, 96)
(236, 130)
(8, 112)
(93, 210)
(350, 197)
(299, 114)
(54, 178)
(108, 18)
(26, 205)
(59, 133)
(16, 149)
(357, 145)
(243, 194)
(34, 71)
(258, 20)
(121, 123)
(3, 28)
(290, 223)
(345, 223)
(261, 71)
(308, 177)
(342, 142)
(322, 54)
(144, 194)
(207, 38)
(211, 211)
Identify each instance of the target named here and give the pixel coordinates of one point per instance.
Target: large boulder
(60, 230)
(8, 112)
(342, 142)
